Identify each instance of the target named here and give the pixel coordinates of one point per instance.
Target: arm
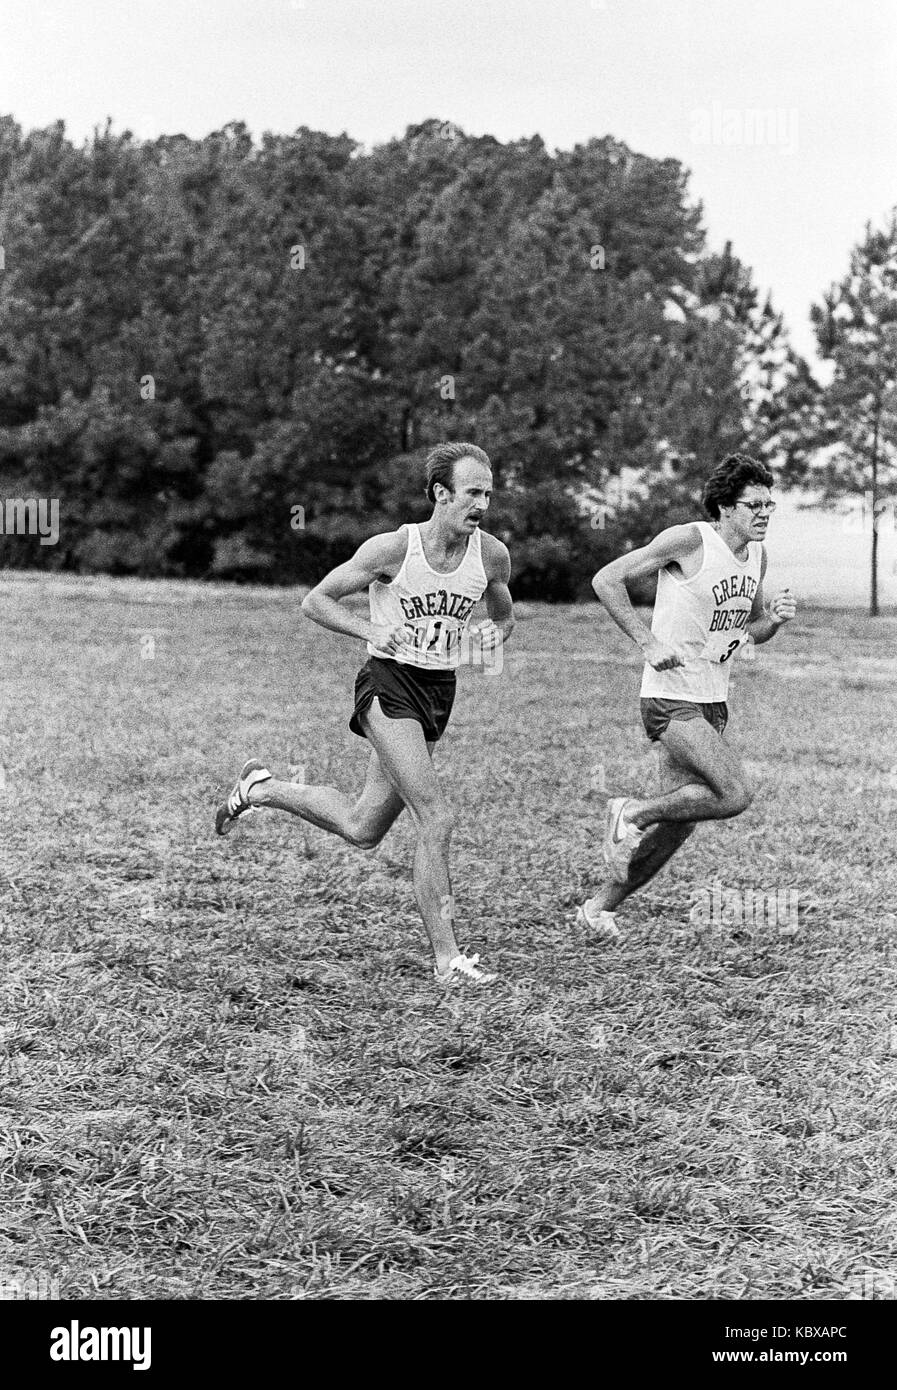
(765, 622)
(677, 544)
(499, 604)
(322, 603)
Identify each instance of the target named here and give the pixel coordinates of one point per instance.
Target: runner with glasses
(709, 603)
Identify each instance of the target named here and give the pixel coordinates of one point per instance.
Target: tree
(228, 357)
(856, 419)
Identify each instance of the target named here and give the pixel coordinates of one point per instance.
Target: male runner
(423, 582)
(709, 602)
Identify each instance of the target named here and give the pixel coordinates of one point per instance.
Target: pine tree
(856, 419)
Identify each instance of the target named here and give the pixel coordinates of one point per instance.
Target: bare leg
(362, 822)
(701, 779)
(400, 774)
(658, 846)
(406, 762)
(716, 789)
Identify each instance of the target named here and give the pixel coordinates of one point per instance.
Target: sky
(822, 554)
(792, 187)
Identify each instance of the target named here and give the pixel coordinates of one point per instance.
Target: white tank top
(706, 618)
(436, 607)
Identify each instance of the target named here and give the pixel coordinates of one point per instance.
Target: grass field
(226, 1071)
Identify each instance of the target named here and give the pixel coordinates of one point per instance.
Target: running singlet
(706, 618)
(436, 607)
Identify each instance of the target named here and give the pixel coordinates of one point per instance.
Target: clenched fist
(487, 633)
(662, 657)
(783, 606)
(391, 639)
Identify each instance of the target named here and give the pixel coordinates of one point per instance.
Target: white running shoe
(464, 970)
(597, 920)
(238, 803)
(621, 840)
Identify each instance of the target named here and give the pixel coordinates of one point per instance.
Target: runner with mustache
(423, 582)
(709, 602)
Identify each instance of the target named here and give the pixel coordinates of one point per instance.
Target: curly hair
(441, 464)
(730, 478)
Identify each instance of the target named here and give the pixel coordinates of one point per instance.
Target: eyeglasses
(756, 507)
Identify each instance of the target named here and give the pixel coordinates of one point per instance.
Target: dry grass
(226, 1073)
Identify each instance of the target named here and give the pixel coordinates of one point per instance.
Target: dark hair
(441, 463)
(730, 478)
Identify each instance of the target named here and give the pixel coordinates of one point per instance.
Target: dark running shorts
(656, 715)
(405, 692)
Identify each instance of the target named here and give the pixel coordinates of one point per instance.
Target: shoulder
(496, 557)
(385, 550)
(686, 539)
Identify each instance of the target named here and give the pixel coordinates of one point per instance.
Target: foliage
(853, 422)
(199, 337)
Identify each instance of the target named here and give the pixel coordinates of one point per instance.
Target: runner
(423, 582)
(709, 603)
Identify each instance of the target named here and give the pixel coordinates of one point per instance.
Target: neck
(442, 537)
(733, 538)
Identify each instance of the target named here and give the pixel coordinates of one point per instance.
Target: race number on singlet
(436, 636)
(721, 646)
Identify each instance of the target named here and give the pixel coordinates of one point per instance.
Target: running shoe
(621, 840)
(238, 803)
(464, 970)
(597, 921)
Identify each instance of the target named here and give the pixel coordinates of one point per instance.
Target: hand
(783, 607)
(488, 633)
(662, 657)
(391, 639)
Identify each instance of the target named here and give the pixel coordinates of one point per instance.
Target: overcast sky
(670, 77)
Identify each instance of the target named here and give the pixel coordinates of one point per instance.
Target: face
(749, 519)
(466, 505)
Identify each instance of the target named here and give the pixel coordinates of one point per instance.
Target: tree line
(227, 358)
